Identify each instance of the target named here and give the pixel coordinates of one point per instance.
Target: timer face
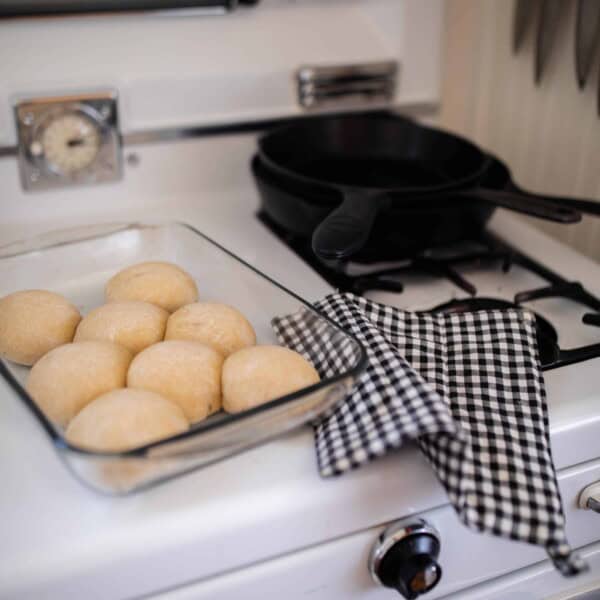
(69, 140)
(69, 143)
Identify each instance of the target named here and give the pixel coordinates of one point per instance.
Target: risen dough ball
(258, 374)
(125, 419)
(160, 283)
(188, 373)
(63, 381)
(217, 325)
(34, 322)
(135, 325)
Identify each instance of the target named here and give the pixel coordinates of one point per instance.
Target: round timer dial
(68, 143)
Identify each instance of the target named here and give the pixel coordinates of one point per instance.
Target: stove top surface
(243, 504)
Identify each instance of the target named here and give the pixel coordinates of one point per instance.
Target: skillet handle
(535, 206)
(345, 230)
(589, 207)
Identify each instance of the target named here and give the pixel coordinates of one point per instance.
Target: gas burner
(547, 338)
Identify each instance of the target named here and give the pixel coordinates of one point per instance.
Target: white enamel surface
(63, 540)
(172, 71)
(466, 558)
(347, 579)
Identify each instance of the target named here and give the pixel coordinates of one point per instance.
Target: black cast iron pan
(375, 163)
(403, 230)
(397, 233)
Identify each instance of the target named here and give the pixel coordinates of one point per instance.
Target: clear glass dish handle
(59, 237)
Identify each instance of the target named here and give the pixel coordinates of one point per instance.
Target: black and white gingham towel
(468, 388)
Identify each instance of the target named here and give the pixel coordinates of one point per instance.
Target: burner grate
(438, 262)
(444, 263)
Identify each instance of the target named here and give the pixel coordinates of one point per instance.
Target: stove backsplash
(181, 69)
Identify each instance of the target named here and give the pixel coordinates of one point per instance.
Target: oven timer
(68, 140)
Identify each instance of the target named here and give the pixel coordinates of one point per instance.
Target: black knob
(405, 558)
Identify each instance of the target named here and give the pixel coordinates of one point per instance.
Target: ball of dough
(217, 325)
(34, 322)
(187, 373)
(135, 325)
(125, 419)
(63, 381)
(160, 283)
(259, 374)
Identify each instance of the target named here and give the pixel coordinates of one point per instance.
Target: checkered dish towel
(468, 387)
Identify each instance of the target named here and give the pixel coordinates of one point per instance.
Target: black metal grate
(444, 263)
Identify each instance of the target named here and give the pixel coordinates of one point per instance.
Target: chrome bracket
(356, 85)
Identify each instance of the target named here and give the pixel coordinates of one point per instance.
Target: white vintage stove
(164, 111)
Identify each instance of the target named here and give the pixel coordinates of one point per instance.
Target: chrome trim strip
(417, 109)
(344, 73)
(149, 136)
(358, 85)
(181, 133)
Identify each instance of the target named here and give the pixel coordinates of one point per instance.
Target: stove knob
(589, 497)
(405, 557)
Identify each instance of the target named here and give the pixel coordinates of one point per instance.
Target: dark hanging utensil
(550, 16)
(598, 97)
(522, 19)
(587, 34)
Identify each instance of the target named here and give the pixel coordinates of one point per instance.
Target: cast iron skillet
(406, 228)
(376, 163)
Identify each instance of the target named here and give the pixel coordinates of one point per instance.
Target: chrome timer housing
(68, 140)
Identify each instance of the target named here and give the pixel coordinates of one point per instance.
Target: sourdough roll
(160, 283)
(258, 374)
(69, 377)
(187, 373)
(220, 326)
(125, 419)
(135, 325)
(33, 322)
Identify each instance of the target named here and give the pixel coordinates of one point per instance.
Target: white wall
(549, 135)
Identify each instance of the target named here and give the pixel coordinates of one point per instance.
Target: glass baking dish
(78, 262)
